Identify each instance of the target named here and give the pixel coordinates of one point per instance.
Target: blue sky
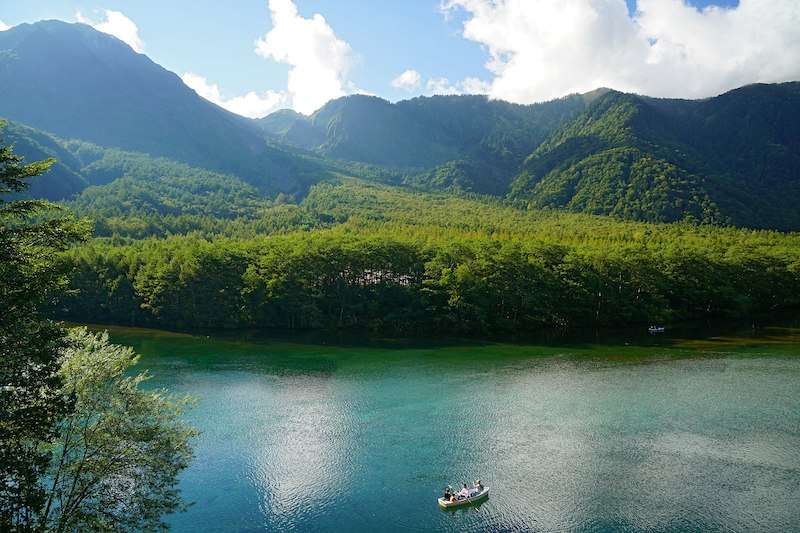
(219, 42)
(383, 39)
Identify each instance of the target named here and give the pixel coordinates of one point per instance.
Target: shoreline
(757, 331)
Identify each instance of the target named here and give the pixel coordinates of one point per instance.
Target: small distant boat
(656, 329)
(474, 497)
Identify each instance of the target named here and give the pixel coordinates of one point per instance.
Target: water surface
(660, 434)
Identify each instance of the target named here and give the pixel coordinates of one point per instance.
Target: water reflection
(299, 463)
(597, 438)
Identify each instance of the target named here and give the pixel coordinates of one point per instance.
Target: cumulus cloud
(118, 25)
(440, 86)
(411, 80)
(319, 60)
(541, 49)
(252, 104)
(4, 26)
(408, 80)
(465, 86)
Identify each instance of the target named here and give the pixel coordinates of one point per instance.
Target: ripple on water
(360, 442)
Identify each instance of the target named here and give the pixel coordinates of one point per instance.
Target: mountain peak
(59, 33)
(78, 83)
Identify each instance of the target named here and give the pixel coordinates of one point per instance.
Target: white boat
(656, 329)
(474, 497)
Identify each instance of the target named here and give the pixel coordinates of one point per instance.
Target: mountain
(63, 180)
(734, 158)
(278, 123)
(106, 113)
(78, 83)
(108, 183)
(452, 142)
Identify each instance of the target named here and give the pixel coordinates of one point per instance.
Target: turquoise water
(656, 435)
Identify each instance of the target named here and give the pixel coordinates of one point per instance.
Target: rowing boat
(474, 497)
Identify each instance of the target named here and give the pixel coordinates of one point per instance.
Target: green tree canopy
(118, 454)
(30, 399)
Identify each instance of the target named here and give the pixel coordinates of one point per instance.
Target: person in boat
(464, 493)
(478, 485)
(447, 494)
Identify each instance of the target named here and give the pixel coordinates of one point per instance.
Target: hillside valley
(457, 213)
(731, 159)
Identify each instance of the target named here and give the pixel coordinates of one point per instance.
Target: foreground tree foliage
(82, 447)
(31, 402)
(117, 455)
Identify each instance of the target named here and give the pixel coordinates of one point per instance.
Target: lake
(637, 433)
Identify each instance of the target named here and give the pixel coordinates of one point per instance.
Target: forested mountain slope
(733, 159)
(467, 143)
(79, 83)
(111, 185)
(64, 178)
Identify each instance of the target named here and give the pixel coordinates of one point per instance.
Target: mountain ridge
(728, 159)
(733, 158)
(440, 140)
(76, 82)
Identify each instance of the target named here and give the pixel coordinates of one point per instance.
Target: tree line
(405, 278)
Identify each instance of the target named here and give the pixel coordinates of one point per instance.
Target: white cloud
(252, 104)
(319, 60)
(465, 86)
(440, 86)
(4, 26)
(541, 49)
(474, 86)
(408, 80)
(411, 80)
(119, 26)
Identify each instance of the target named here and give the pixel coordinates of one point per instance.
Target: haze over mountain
(107, 113)
(76, 82)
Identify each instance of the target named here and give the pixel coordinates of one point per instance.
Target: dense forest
(362, 255)
(184, 247)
